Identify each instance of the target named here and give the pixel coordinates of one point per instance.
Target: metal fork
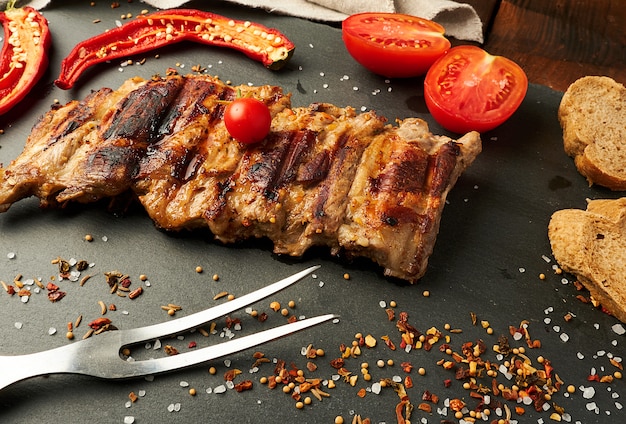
(99, 356)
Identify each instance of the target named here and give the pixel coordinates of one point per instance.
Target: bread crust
(592, 114)
(591, 245)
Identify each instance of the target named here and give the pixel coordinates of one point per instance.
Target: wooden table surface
(557, 41)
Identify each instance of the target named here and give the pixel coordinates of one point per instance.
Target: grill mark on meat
(185, 175)
(324, 176)
(278, 161)
(78, 116)
(126, 131)
(140, 114)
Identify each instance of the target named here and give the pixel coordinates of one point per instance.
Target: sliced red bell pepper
(166, 27)
(24, 56)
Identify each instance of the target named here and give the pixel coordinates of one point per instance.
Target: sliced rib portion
(324, 175)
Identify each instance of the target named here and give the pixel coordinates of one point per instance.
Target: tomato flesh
(468, 89)
(392, 44)
(247, 120)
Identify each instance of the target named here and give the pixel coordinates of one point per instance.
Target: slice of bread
(591, 245)
(592, 114)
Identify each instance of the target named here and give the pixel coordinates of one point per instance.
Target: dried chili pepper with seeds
(24, 56)
(166, 27)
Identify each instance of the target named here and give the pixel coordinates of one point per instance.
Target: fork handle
(21, 367)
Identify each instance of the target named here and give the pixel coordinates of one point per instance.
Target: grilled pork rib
(324, 175)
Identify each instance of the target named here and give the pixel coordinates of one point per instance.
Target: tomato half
(248, 120)
(392, 44)
(468, 89)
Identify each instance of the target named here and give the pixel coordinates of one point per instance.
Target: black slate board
(490, 251)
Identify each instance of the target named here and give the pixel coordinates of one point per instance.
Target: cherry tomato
(468, 89)
(392, 44)
(248, 120)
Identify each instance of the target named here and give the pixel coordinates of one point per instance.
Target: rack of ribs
(325, 175)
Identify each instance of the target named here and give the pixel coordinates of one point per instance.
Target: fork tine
(169, 363)
(179, 325)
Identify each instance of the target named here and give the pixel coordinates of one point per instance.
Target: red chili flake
(262, 317)
(457, 404)
(406, 367)
(98, 323)
(192, 345)
(389, 343)
(231, 374)
(10, 290)
(408, 382)
(361, 393)
(447, 383)
(170, 350)
(593, 377)
(424, 407)
(55, 296)
(52, 287)
(391, 314)
(337, 363)
(244, 385)
(125, 282)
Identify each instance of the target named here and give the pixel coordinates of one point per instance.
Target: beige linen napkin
(459, 19)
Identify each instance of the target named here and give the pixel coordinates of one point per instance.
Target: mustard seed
(421, 371)
(199, 269)
(426, 293)
(216, 277)
(212, 371)
(299, 405)
(338, 419)
(88, 237)
(192, 391)
(291, 304)
(346, 276)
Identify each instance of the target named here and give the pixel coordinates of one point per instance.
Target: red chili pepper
(166, 27)
(24, 56)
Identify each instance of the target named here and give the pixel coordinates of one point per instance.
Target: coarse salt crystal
(376, 388)
(184, 384)
(52, 331)
(128, 404)
(564, 337)
(382, 304)
(618, 329)
(18, 325)
(589, 392)
(591, 406)
(11, 255)
(129, 420)
(220, 389)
